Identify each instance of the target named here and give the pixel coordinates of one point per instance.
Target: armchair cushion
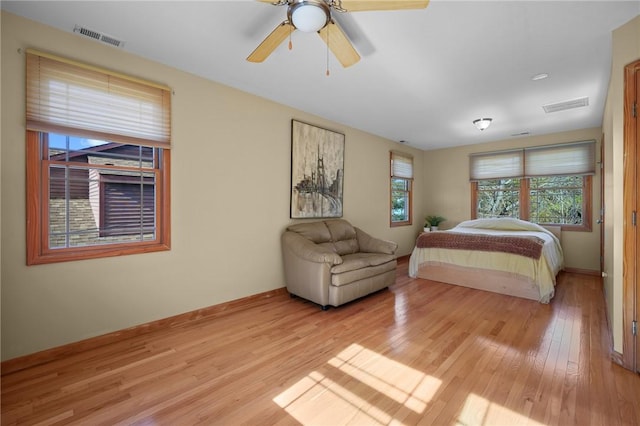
(313, 231)
(343, 235)
(348, 278)
(308, 250)
(351, 262)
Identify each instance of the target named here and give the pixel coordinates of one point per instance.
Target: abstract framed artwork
(317, 171)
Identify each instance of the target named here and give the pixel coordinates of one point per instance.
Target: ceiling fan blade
(339, 44)
(362, 5)
(272, 41)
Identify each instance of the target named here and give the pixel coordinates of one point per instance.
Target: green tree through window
(547, 200)
(556, 200)
(400, 190)
(499, 197)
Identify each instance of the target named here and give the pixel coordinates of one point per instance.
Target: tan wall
(626, 49)
(448, 194)
(230, 202)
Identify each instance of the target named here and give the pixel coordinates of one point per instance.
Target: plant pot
(434, 228)
(426, 229)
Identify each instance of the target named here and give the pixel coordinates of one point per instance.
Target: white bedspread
(542, 271)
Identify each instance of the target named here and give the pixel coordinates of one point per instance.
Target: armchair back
(338, 235)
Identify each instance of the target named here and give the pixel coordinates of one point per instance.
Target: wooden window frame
(37, 212)
(402, 170)
(523, 198)
(408, 222)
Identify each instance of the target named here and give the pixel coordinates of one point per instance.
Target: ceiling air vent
(97, 35)
(561, 106)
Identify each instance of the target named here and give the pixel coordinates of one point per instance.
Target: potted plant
(433, 222)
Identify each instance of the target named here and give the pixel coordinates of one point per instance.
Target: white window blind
(76, 99)
(401, 165)
(496, 165)
(577, 158)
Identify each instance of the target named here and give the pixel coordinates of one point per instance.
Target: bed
(504, 255)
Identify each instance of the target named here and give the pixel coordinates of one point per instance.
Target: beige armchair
(332, 262)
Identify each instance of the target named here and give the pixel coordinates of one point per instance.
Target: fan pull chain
(290, 44)
(328, 38)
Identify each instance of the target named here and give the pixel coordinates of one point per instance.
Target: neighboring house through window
(401, 188)
(98, 162)
(550, 185)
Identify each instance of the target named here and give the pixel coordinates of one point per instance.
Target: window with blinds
(98, 162)
(545, 184)
(401, 188)
(577, 158)
(497, 165)
(67, 97)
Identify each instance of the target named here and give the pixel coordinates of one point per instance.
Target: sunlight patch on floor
(482, 412)
(358, 382)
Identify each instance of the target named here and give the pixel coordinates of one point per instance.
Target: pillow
(503, 224)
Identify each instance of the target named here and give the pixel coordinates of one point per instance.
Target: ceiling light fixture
(309, 16)
(482, 123)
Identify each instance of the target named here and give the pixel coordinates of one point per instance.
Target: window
(557, 200)
(401, 188)
(548, 185)
(498, 198)
(98, 162)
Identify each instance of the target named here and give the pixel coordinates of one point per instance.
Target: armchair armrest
(371, 244)
(308, 250)
(307, 267)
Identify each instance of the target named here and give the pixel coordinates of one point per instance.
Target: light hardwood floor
(419, 353)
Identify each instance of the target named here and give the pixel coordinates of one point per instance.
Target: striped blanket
(529, 246)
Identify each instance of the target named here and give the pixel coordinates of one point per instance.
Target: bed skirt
(482, 279)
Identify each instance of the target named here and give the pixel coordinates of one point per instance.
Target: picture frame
(317, 172)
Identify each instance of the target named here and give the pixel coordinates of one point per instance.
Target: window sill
(398, 224)
(83, 253)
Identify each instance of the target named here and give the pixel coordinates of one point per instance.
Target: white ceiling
(425, 75)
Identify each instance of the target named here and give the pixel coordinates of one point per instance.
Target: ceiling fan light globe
(308, 17)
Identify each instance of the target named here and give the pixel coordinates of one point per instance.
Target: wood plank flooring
(419, 353)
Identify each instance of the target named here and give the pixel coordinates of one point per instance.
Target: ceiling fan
(315, 16)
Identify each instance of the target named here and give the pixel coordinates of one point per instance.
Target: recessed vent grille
(97, 35)
(561, 106)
